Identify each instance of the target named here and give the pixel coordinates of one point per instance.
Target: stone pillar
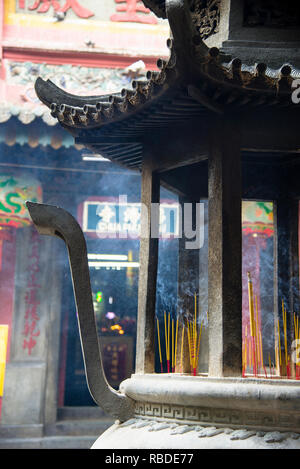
(225, 251)
(30, 386)
(145, 353)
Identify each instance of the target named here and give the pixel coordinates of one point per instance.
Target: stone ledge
(253, 404)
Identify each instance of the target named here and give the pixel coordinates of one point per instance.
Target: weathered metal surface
(54, 221)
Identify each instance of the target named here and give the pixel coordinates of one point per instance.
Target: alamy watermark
(122, 219)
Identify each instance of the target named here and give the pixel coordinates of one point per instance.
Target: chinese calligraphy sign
(42, 6)
(133, 11)
(31, 319)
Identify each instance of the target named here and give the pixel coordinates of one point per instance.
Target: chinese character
(77, 8)
(44, 5)
(31, 312)
(30, 344)
(106, 214)
(29, 329)
(133, 10)
(32, 283)
(30, 297)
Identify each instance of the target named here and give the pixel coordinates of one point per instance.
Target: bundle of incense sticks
(190, 330)
(194, 337)
(252, 356)
(171, 340)
(252, 352)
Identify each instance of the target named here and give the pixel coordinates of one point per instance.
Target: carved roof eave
(214, 85)
(89, 112)
(193, 72)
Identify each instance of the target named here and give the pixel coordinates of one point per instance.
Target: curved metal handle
(54, 221)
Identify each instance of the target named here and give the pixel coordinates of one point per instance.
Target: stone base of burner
(181, 411)
(147, 434)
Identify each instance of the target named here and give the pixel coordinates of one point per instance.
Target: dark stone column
(145, 354)
(225, 251)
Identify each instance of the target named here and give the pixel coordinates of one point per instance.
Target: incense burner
(207, 126)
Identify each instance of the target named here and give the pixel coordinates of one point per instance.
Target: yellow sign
(3, 347)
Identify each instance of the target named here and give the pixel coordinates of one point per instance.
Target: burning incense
(296, 336)
(252, 321)
(159, 347)
(261, 349)
(173, 346)
(181, 351)
(257, 341)
(195, 337)
(198, 346)
(176, 340)
(190, 345)
(246, 351)
(167, 343)
(168, 359)
(251, 305)
(284, 332)
(276, 348)
(279, 344)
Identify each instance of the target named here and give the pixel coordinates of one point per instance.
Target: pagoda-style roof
(190, 89)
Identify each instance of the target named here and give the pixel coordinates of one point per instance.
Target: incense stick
(176, 339)
(181, 352)
(252, 321)
(168, 359)
(189, 342)
(285, 332)
(172, 346)
(159, 347)
(167, 343)
(195, 337)
(279, 344)
(198, 346)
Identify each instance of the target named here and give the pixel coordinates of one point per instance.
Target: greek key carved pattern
(218, 416)
(153, 410)
(175, 412)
